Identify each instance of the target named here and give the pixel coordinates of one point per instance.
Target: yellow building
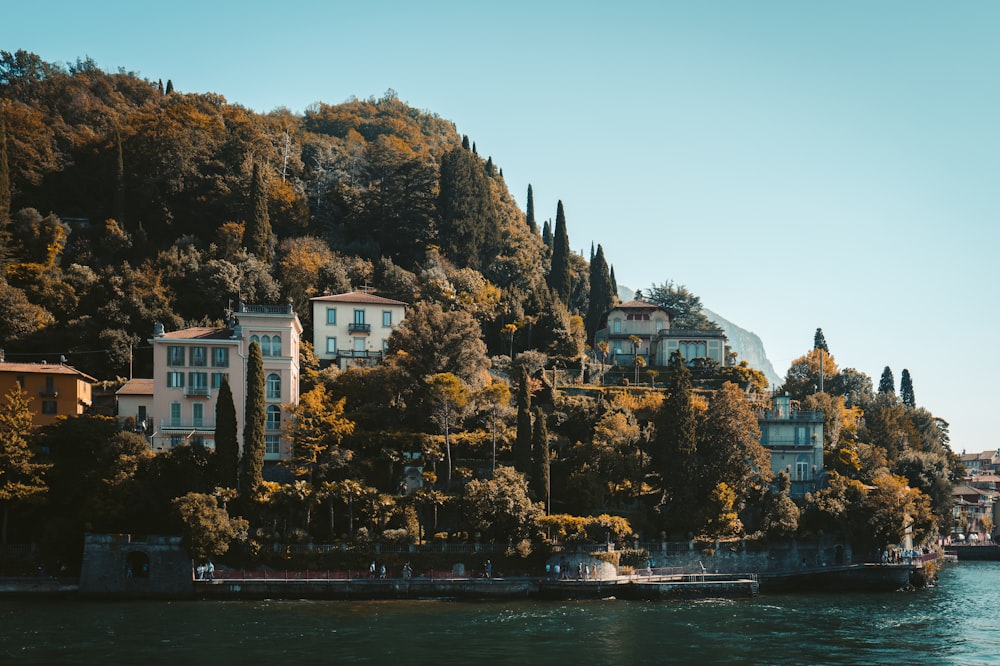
(53, 389)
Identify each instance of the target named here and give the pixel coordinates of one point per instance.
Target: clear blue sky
(795, 164)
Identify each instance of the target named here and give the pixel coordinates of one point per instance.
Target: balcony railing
(359, 328)
(359, 353)
(187, 425)
(197, 392)
(285, 309)
(795, 415)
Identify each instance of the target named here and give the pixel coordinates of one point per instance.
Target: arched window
(273, 386)
(265, 345)
(253, 339)
(273, 417)
(276, 345)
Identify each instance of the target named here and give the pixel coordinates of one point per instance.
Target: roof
(136, 387)
(357, 297)
(639, 305)
(200, 333)
(44, 369)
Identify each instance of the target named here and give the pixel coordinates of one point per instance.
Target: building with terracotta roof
(134, 404)
(54, 389)
(188, 367)
(644, 328)
(354, 328)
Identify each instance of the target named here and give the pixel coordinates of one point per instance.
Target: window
(220, 357)
(331, 316)
(199, 357)
(659, 324)
(253, 339)
(359, 316)
(198, 414)
(49, 407)
(386, 319)
(273, 387)
(175, 441)
(616, 325)
(273, 417)
(331, 345)
(272, 444)
(50, 386)
(175, 355)
(197, 440)
(217, 379)
(175, 414)
(265, 345)
(385, 346)
(198, 380)
(275, 345)
(359, 345)
(175, 380)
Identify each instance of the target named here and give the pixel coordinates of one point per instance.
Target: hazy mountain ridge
(748, 345)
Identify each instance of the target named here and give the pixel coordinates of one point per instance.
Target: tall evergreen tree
(676, 449)
(887, 384)
(465, 141)
(522, 442)
(469, 233)
(227, 445)
(5, 190)
(906, 389)
(118, 205)
(602, 297)
(547, 234)
(170, 86)
(531, 211)
(540, 457)
(819, 341)
(560, 279)
(614, 282)
(257, 237)
(254, 423)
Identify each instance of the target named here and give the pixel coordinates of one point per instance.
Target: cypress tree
(227, 446)
(254, 423)
(465, 141)
(170, 86)
(4, 174)
(675, 452)
(522, 443)
(470, 225)
(547, 234)
(601, 293)
(531, 211)
(819, 341)
(614, 283)
(560, 280)
(906, 389)
(118, 205)
(540, 457)
(887, 384)
(257, 237)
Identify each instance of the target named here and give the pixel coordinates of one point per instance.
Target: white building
(354, 328)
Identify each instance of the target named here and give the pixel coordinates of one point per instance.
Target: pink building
(189, 365)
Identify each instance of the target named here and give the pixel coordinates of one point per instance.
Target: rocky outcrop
(748, 345)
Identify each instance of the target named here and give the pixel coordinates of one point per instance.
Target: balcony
(359, 328)
(285, 309)
(187, 426)
(197, 392)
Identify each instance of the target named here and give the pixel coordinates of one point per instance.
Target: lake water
(956, 622)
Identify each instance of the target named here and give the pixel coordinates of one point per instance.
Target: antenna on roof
(367, 288)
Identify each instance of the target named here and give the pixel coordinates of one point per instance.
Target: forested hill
(126, 201)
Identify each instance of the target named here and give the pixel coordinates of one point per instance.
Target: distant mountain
(747, 345)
